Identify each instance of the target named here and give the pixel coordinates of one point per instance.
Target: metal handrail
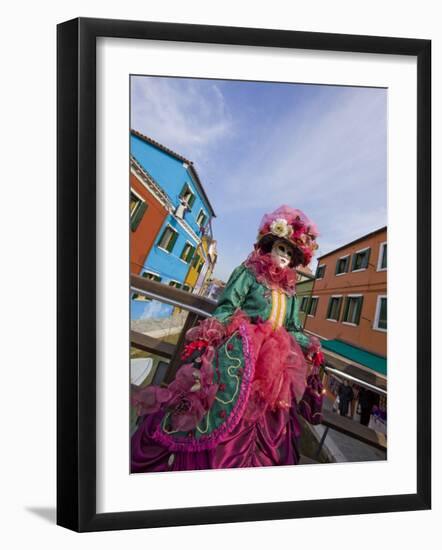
(358, 381)
(174, 296)
(170, 301)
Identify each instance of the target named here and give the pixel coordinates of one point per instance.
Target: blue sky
(257, 145)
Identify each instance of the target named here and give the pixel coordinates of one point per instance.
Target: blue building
(189, 215)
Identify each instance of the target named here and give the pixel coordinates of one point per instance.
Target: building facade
(304, 288)
(171, 255)
(348, 309)
(202, 265)
(148, 211)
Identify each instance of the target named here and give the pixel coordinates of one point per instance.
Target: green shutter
(359, 310)
(190, 254)
(338, 313)
(347, 303)
(192, 199)
(163, 234)
(172, 241)
(367, 258)
(337, 267)
(330, 301)
(353, 263)
(382, 322)
(138, 214)
(384, 257)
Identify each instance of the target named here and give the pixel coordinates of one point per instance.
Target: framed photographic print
(237, 210)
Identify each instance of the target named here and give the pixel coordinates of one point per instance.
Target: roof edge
(384, 228)
(172, 153)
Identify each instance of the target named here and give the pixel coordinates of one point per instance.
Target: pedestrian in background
(367, 399)
(345, 394)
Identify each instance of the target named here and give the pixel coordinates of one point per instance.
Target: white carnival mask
(282, 253)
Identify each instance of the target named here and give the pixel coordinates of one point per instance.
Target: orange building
(348, 308)
(148, 209)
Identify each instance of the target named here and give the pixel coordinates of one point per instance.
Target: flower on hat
(281, 228)
(291, 224)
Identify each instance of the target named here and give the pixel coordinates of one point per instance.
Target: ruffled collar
(270, 275)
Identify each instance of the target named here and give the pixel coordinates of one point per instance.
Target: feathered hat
(293, 226)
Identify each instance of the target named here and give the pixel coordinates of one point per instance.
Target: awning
(364, 365)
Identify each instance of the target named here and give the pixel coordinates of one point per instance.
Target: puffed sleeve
(234, 294)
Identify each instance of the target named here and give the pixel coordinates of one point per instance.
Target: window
(304, 302)
(168, 239)
(342, 265)
(196, 259)
(380, 321)
(137, 209)
(187, 196)
(320, 271)
(175, 284)
(360, 259)
(151, 277)
(200, 267)
(334, 308)
(187, 288)
(382, 260)
(352, 310)
(313, 305)
(201, 219)
(187, 252)
(134, 202)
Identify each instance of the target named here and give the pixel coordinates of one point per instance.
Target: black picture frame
(76, 273)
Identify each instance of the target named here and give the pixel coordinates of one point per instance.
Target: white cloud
(189, 116)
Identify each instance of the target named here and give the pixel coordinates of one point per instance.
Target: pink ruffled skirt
(268, 431)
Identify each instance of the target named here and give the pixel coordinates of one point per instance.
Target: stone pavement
(344, 448)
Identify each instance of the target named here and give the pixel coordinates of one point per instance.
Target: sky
(258, 145)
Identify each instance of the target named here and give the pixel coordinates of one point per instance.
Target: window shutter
(172, 241)
(384, 257)
(192, 199)
(190, 254)
(358, 310)
(330, 302)
(139, 213)
(338, 313)
(337, 267)
(353, 263)
(345, 316)
(367, 258)
(161, 239)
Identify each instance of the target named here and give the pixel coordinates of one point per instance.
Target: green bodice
(244, 292)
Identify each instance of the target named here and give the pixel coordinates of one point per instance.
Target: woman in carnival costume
(246, 373)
